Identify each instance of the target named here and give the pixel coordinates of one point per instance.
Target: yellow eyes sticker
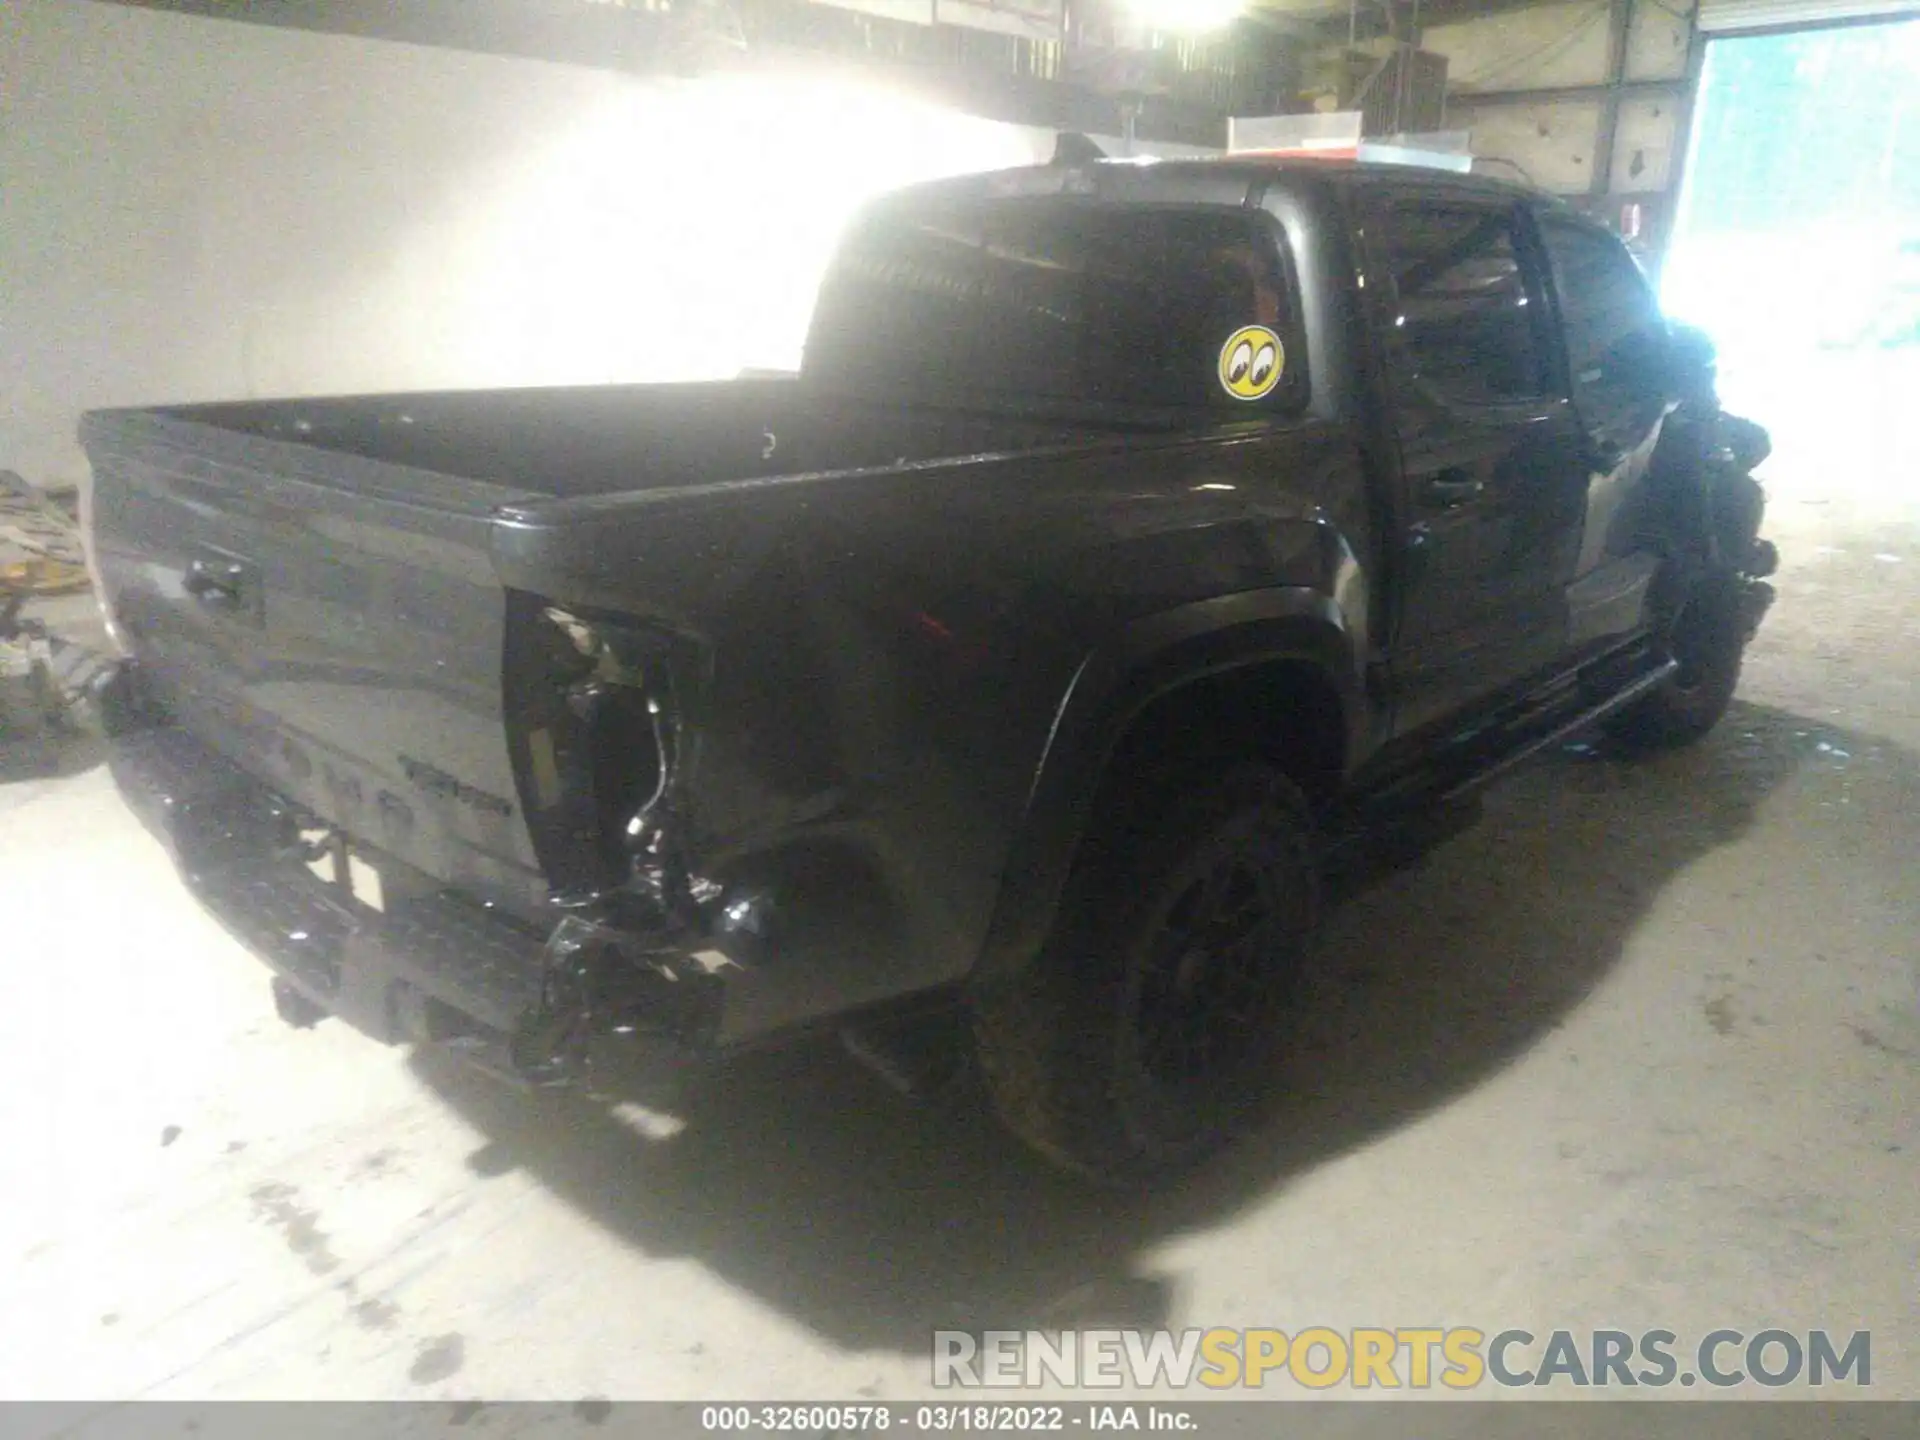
(1251, 363)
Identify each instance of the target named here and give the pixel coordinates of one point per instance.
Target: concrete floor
(1643, 1049)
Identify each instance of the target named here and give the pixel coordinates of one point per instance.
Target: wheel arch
(1191, 663)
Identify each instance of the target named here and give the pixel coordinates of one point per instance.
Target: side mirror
(1692, 361)
(1693, 348)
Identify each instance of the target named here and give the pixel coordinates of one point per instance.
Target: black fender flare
(1150, 658)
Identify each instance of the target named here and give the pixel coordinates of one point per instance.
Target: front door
(1614, 339)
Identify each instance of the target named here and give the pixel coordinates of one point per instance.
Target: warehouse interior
(1640, 1049)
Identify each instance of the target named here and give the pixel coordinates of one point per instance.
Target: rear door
(1489, 519)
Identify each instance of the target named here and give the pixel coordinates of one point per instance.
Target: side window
(1612, 321)
(1466, 315)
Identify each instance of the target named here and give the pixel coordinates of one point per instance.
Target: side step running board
(1592, 715)
(1367, 840)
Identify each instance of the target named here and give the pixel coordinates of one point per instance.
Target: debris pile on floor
(36, 526)
(42, 676)
(33, 712)
(41, 576)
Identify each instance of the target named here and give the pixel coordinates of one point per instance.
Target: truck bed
(313, 586)
(328, 602)
(596, 440)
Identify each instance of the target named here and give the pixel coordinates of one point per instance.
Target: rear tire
(1709, 641)
(1145, 1034)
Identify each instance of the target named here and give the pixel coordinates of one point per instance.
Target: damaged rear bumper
(523, 1001)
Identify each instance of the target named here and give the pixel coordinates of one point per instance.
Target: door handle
(215, 583)
(1454, 487)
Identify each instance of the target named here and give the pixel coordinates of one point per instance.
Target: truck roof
(1149, 181)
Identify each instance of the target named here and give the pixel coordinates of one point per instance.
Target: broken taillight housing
(594, 719)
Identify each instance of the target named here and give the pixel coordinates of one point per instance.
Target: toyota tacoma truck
(1133, 538)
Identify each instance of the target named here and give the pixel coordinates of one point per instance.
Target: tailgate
(330, 624)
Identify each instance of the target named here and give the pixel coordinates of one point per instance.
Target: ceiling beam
(603, 36)
(1556, 94)
(1374, 17)
(614, 37)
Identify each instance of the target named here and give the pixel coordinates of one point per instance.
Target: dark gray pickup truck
(1134, 537)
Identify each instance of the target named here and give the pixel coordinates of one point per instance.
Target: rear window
(1123, 306)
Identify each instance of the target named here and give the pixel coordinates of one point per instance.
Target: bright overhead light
(1191, 17)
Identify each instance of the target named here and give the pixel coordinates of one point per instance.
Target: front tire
(1709, 641)
(1145, 1035)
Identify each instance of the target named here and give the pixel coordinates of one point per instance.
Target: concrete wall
(197, 209)
(1549, 144)
(1540, 46)
(1646, 145)
(1562, 45)
(1659, 40)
